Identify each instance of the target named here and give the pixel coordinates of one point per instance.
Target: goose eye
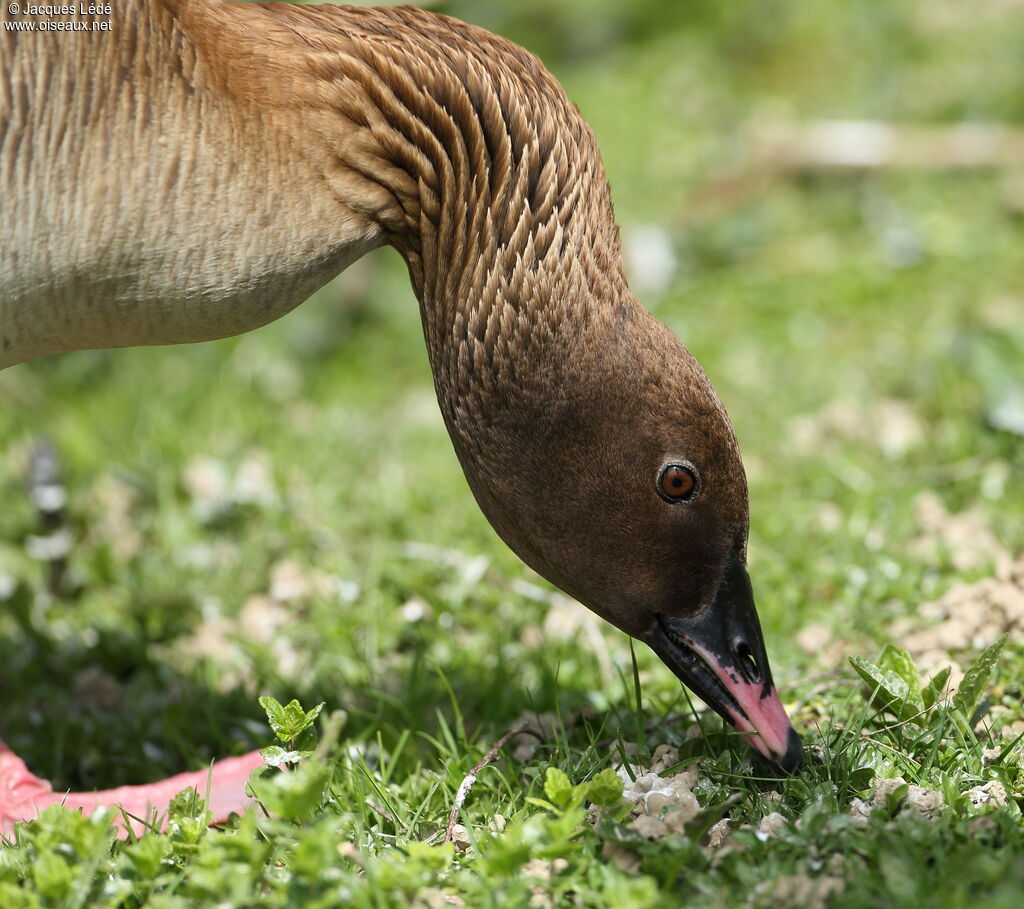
(677, 482)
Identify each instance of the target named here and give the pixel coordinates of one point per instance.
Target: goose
(195, 169)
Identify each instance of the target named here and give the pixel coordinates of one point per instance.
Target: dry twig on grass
(470, 778)
(854, 147)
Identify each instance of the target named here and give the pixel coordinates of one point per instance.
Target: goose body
(203, 167)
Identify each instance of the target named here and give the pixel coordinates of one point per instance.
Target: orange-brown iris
(677, 483)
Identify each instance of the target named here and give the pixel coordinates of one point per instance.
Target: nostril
(747, 662)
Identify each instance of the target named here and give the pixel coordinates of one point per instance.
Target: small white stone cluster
(662, 804)
(925, 802)
(970, 616)
(918, 800)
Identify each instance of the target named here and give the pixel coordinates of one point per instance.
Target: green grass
(800, 298)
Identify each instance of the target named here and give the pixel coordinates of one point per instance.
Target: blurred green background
(864, 329)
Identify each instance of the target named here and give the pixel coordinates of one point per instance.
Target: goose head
(611, 467)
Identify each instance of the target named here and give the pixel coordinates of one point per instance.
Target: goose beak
(719, 654)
